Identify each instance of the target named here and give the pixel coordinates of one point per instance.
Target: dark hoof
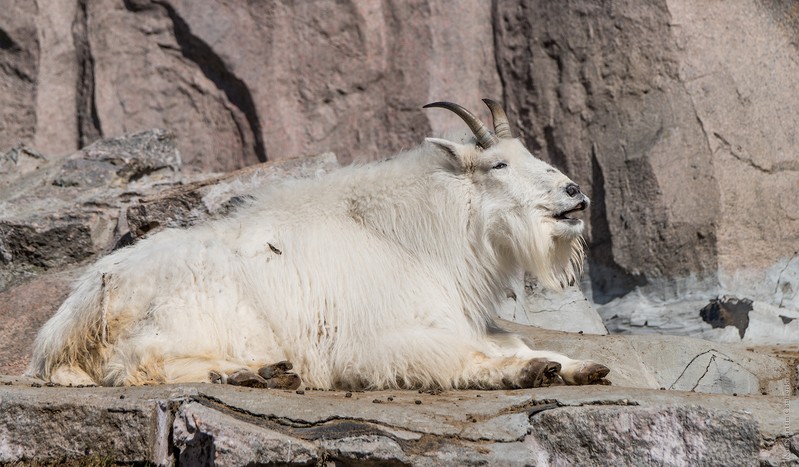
(247, 379)
(279, 368)
(285, 381)
(540, 372)
(278, 376)
(593, 373)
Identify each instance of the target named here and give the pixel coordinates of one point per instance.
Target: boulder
(611, 435)
(55, 212)
(567, 310)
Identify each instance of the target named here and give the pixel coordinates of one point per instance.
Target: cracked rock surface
(673, 401)
(214, 424)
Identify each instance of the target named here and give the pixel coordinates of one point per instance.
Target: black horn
(501, 125)
(484, 136)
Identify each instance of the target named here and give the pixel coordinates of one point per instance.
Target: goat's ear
(455, 151)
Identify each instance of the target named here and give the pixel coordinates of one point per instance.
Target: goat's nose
(572, 189)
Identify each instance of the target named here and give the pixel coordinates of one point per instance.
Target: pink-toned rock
(602, 98)
(19, 54)
(683, 133)
(23, 311)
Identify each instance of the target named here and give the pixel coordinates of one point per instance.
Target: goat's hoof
(247, 378)
(539, 372)
(275, 369)
(285, 381)
(216, 378)
(278, 376)
(592, 373)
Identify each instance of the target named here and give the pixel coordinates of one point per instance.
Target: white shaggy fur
(383, 275)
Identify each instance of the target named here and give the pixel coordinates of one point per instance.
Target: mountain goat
(384, 275)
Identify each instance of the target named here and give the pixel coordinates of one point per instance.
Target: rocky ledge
(207, 424)
(674, 401)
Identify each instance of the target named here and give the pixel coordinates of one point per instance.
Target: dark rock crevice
(15, 64)
(7, 43)
(608, 279)
(88, 120)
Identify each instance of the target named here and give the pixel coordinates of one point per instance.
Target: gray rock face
(688, 154)
(603, 98)
(58, 212)
(79, 425)
(637, 104)
(644, 436)
(19, 56)
(243, 83)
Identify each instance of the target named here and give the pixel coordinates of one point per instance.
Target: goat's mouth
(564, 216)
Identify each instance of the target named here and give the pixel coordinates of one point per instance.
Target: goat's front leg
(510, 360)
(497, 372)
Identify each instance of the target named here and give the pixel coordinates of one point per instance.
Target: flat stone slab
(688, 393)
(677, 362)
(226, 425)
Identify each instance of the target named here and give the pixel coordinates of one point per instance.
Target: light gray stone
(205, 423)
(57, 212)
(673, 362)
(364, 449)
(506, 428)
(565, 310)
(644, 436)
(52, 425)
(776, 417)
(204, 436)
(646, 311)
(218, 195)
(777, 454)
(444, 414)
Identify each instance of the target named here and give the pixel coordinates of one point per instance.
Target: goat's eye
(499, 165)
